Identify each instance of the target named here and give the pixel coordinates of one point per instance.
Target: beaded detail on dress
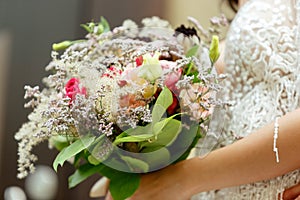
(263, 72)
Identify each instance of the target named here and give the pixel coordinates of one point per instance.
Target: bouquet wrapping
(123, 102)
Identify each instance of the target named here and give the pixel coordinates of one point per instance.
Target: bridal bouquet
(123, 102)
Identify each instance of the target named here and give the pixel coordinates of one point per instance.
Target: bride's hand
(292, 193)
(167, 183)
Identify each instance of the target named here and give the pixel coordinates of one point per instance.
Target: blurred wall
(5, 52)
(202, 10)
(33, 25)
(135, 10)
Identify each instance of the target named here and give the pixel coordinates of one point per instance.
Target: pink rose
(72, 88)
(174, 74)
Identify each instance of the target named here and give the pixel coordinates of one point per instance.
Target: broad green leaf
(93, 160)
(138, 134)
(134, 138)
(101, 148)
(187, 136)
(192, 51)
(157, 127)
(157, 113)
(59, 142)
(115, 162)
(108, 172)
(105, 24)
(139, 130)
(136, 165)
(86, 27)
(82, 173)
(185, 142)
(156, 157)
(163, 101)
(62, 45)
(72, 150)
(123, 185)
(168, 131)
(144, 133)
(78, 158)
(165, 98)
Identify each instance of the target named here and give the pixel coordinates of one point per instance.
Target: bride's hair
(233, 4)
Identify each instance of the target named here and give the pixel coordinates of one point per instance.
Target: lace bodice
(261, 62)
(262, 67)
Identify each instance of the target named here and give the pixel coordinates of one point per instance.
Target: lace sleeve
(261, 61)
(262, 64)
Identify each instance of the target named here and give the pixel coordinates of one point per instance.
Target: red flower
(72, 88)
(139, 60)
(172, 109)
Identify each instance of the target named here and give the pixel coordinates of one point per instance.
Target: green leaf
(165, 131)
(156, 157)
(136, 164)
(144, 133)
(101, 148)
(137, 134)
(163, 101)
(113, 162)
(192, 51)
(105, 25)
(62, 45)
(196, 79)
(72, 150)
(139, 130)
(133, 138)
(158, 127)
(59, 142)
(86, 27)
(82, 173)
(123, 185)
(186, 141)
(93, 160)
(78, 158)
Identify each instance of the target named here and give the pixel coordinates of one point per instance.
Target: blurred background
(27, 30)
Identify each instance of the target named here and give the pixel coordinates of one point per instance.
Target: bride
(260, 156)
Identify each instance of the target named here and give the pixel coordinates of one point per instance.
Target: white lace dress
(262, 63)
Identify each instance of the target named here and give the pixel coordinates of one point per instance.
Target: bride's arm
(248, 160)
